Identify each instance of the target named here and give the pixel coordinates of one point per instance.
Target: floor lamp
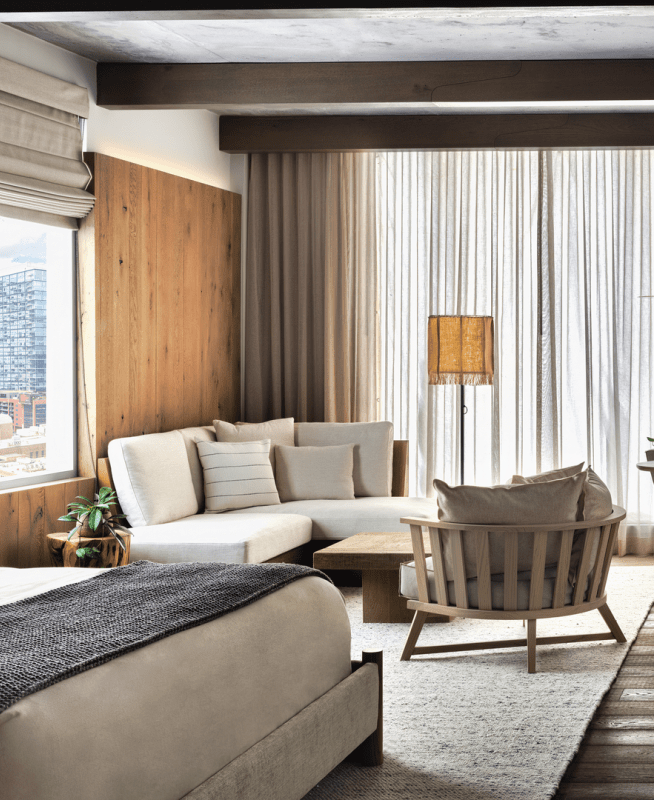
(460, 352)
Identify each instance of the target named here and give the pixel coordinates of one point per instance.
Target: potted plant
(649, 454)
(95, 521)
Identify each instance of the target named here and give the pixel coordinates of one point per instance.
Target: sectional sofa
(160, 486)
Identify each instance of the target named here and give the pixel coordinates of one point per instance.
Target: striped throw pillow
(237, 475)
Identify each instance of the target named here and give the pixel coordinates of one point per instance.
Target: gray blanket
(47, 638)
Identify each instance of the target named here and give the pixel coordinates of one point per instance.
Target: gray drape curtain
(42, 175)
(312, 289)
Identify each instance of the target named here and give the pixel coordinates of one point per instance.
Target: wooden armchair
(575, 584)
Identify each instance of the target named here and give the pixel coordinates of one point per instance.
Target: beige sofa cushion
(338, 519)
(314, 473)
(244, 539)
(206, 433)
(237, 475)
(279, 431)
(373, 452)
(517, 504)
(152, 477)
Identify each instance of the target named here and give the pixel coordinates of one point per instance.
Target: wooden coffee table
(378, 556)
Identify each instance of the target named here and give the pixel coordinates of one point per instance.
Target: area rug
(477, 726)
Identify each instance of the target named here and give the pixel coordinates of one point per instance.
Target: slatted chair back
(579, 569)
(592, 540)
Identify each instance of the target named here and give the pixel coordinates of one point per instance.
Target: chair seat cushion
(409, 587)
(246, 539)
(338, 519)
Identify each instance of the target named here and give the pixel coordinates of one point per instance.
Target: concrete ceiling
(602, 32)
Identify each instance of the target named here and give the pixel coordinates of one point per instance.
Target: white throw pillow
(237, 475)
(279, 431)
(315, 473)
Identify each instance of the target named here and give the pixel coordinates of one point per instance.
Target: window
(37, 353)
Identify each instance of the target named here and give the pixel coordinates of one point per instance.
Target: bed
(263, 701)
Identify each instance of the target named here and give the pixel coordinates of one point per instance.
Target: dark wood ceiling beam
(448, 132)
(149, 86)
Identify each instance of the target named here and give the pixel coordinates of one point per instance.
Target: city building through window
(37, 353)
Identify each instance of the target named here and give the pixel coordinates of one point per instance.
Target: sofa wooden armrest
(400, 484)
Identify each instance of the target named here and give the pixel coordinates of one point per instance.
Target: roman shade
(42, 175)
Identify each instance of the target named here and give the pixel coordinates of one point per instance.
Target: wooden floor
(616, 758)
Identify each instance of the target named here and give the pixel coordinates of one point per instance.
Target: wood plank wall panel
(28, 514)
(161, 295)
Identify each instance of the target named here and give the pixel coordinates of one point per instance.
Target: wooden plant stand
(62, 552)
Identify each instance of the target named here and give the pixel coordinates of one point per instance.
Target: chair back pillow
(279, 431)
(315, 473)
(517, 504)
(373, 451)
(552, 475)
(237, 475)
(152, 478)
(595, 503)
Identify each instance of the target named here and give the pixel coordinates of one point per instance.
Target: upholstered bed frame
(291, 760)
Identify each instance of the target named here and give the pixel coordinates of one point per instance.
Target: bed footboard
(290, 761)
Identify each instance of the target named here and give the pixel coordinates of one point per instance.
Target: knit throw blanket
(52, 636)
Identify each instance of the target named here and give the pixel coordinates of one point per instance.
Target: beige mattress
(157, 722)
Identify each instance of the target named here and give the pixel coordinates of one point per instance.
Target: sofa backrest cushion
(315, 473)
(373, 451)
(516, 504)
(152, 478)
(206, 433)
(279, 431)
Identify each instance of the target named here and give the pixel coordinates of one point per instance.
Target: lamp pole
(463, 415)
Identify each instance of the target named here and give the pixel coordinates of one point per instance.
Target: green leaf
(119, 539)
(67, 518)
(105, 491)
(73, 532)
(95, 515)
(128, 531)
(81, 552)
(649, 439)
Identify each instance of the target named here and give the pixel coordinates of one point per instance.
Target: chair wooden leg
(414, 631)
(531, 645)
(611, 621)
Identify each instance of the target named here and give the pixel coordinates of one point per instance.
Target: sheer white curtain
(556, 247)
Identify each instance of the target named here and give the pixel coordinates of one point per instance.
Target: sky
(22, 245)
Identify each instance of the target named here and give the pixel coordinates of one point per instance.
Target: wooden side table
(62, 552)
(378, 556)
(647, 466)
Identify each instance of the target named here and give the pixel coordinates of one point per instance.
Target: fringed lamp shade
(460, 350)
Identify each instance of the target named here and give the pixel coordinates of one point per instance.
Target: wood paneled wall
(27, 515)
(160, 306)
